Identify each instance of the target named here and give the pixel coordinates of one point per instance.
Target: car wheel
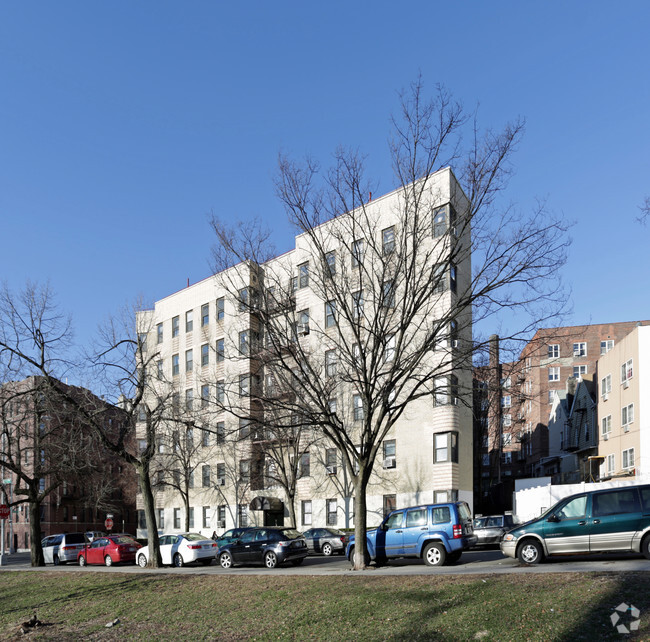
(298, 562)
(645, 547)
(530, 552)
(452, 558)
(82, 561)
(178, 561)
(434, 554)
(225, 559)
(270, 559)
(327, 549)
(108, 560)
(142, 561)
(366, 559)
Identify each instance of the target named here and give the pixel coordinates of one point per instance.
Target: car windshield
(193, 537)
(290, 533)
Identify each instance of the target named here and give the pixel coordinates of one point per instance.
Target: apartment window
(242, 515)
(176, 326)
(453, 278)
(161, 518)
(221, 474)
(390, 453)
(627, 371)
(243, 299)
(389, 504)
(244, 469)
(205, 438)
(506, 401)
(331, 405)
(357, 253)
(244, 428)
(189, 399)
(221, 391)
(191, 517)
(357, 304)
(440, 221)
(606, 385)
(205, 315)
(507, 420)
(220, 309)
(303, 275)
(205, 395)
(189, 439)
(177, 518)
(388, 294)
(221, 433)
(189, 361)
(606, 425)
(189, 323)
(330, 461)
(305, 512)
(506, 458)
(142, 413)
(554, 373)
(331, 508)
(388, 240)
(244, 347)
(610, 464)
(627, 416)
(205, 476)
(175, 365)
(579, 370)
(206, 516)
(330, 264)
(159, 333)
(330, 363)
(554, 351)
(389, 348)
(506, 383)
(221, 354)
(205, 355)
(244, 385)
(159, 369)
(580, 349)
(304, 466)
(628, 458)
(551, 396)
(302, 326)
(330, 314)
(606, 346)
(441, 392)
(506, 439)
(176, 402)
(445, 447)
(357, 407)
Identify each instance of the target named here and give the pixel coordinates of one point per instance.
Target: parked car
(230, 536)
(490, 529)
(92, 535)
(437, 533)
(326, 540)
(181, 549)
(62, 548)
(612, 519)
(109, 550)
(269, 545)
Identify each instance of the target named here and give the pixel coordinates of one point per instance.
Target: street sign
(6, 481)
(108, 524)
(4, 511)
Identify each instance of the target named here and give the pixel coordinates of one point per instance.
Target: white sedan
(182, 549)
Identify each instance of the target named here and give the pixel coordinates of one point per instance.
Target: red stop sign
(4, 511)
(108, 524)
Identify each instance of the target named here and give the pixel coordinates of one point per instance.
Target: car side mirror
(553, 518)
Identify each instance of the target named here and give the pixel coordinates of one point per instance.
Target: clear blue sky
(124, 124)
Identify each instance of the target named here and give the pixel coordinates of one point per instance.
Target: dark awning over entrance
(267, 503)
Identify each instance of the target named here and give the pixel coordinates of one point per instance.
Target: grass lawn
(566, 606)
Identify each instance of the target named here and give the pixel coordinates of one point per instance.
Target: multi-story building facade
(213, 341)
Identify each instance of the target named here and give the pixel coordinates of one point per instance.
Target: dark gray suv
(269, 546)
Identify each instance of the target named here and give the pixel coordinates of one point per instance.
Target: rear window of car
(480, 522)
(75, 538)
(193, 537)
(290, 533)
(123, 539)
(463, 511)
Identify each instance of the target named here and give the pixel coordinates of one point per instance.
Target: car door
(415, 525)
(47, 545)
(615, 518)
(566, 530)
(96, 551)
(258, 545)
(310, 539)
(166, 542)
(240, 549)
(392, 535)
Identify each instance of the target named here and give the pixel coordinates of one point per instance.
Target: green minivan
(599, 521)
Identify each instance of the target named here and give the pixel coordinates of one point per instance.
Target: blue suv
(437, 533)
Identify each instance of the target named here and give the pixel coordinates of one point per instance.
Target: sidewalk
(16, 559)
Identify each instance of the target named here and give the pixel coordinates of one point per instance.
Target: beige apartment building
(211, 344)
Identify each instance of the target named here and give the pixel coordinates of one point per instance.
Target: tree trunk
(153, 543)
(186, 504)
(35, 533)
(360, 523)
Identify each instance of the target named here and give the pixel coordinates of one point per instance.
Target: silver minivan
(63, 548)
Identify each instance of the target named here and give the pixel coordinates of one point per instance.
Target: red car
(109, 550)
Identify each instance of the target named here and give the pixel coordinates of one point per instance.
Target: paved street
(473, 562)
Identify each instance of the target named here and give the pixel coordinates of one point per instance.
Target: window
(579, 370)
(330, 264)
(606, 346)
(551, 396)
(507, 420)
(580, 349)
(439, 278)
(506, 401)
(244, 385)
(159, 369)
(331, 405)
(244, 470)
(189, 439)
(189, 399)
(221, 433)
(244, 347)
(357, 407)
(388, 298)
(330, 314)
(220, 309)
(189, 324)
(242, 515)
(303, 275)
(161, 518)
(554, 351)
(330, 461)
(610, 464)
(389, 348)
(626, 371)
(221, 355)
(627, 416)
(205, 395)
(205, 438)
(244, 428)
(628, 458)
(330, 363)
(440, 222)
(305, 512)
(554, 374)
(445, 447)
(441, 392)
(606, 385)
(175, 365)
(506, 458)
(177, 518)
(205, 476)
(357, 253)
(243, 299)
(506, 438)
(304, 467)
(205, 315)
(606, 425)
(176, 324)
(206, 516)
(176, 402)
(205, 355)
(159, 333)
(221, 391)
(357, 304)
(302, 325)
(388, 240)
(331, 511)
(191, 517)
(189, 361)
(389, 504)
(390, 453)
(453, 278)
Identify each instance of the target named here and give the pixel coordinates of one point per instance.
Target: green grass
(73, 606)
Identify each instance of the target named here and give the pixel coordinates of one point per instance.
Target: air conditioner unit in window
(626, 428)
(331, 470)
(389, 462)
(605, 436)
(605, 396)
(221, 481)
(626, 384)
(221, 523)
(302, 329)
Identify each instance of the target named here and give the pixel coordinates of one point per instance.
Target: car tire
(108, 560)
(530, 552)
(82, 560)
(225, 559)
(179, 562)
(434, 554)
(326, 549)
(645, 547)
(142, 561)
(270, 559)
(366, 559)
(298, 562)
(452, 558)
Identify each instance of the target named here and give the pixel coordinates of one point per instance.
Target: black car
(230, 536)
(326, 540)
(267, 545)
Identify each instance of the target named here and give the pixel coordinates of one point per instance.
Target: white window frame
(554, 373)
(627, 416)
(606, 385)
(627, 458)
(553, 350)
(627, 371)
(606, 425)
(606, 346)
(580, 349)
